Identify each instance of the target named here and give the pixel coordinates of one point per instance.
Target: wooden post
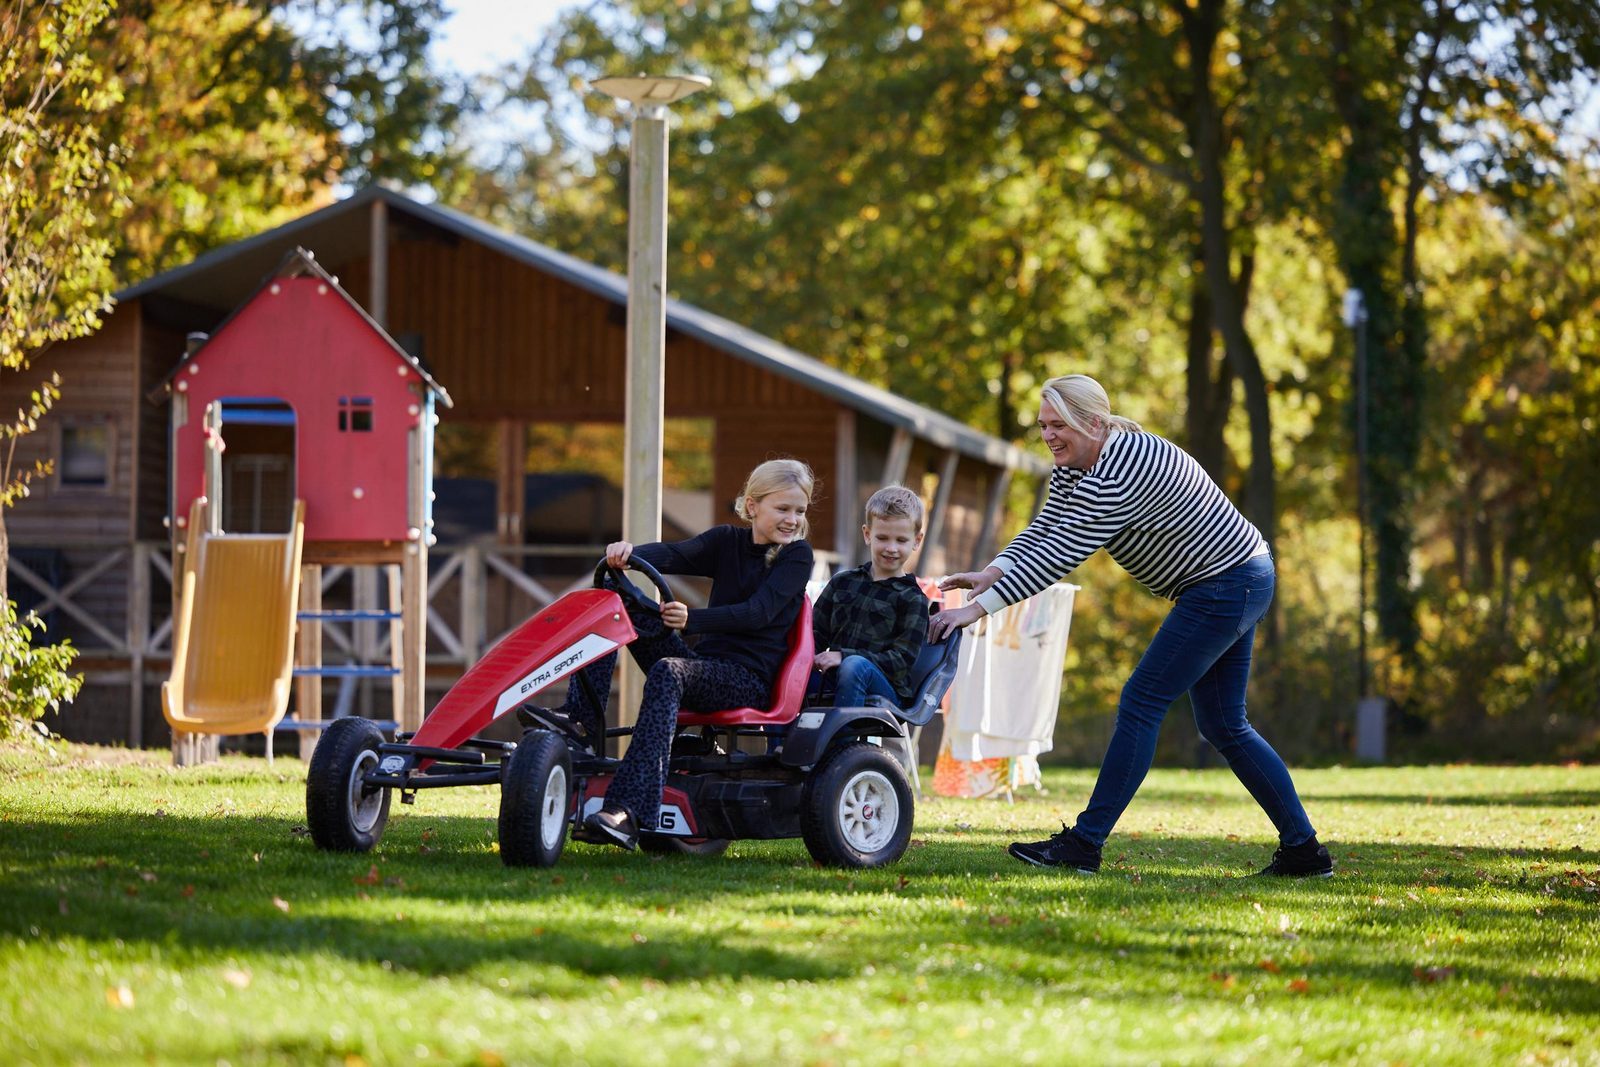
(472, 629)
(308, 653)
(378, 265)
(510, 492)
(397, 641)
(413, 635)
(933, 554)
(138, 638)
(846, 490)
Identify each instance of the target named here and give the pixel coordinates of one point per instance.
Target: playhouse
(301, 435)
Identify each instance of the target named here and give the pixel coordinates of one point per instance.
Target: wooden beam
(899, 458)
(933, 554)
(138, 637)
(510, 494)
(846, 489)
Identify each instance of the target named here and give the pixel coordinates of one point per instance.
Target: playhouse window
(85, 454)
(355, 414)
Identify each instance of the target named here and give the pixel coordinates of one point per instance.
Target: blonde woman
(758, 576)
(1150, 505)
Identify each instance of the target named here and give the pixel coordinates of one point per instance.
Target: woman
(1149, 504)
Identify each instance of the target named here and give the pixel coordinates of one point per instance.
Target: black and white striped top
(1147, 503)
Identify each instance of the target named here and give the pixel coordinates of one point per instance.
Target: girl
(758, 576)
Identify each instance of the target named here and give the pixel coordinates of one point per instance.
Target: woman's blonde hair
(774, 476)
(1082, 402)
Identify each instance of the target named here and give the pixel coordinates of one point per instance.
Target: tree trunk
(1206, 139)
(1210, 385)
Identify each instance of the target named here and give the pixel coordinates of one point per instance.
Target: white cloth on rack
(1004, 698)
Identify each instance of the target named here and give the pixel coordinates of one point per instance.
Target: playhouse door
(257, 490)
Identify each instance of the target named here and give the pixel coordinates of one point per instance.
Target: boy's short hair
(895, 502)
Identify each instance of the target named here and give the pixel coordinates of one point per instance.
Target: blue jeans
(860, 678)
(1202, 648)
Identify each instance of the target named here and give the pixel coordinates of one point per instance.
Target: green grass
(153, 915)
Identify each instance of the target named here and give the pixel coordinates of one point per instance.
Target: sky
(479, 34)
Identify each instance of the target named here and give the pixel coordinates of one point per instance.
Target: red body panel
(569, 634)
(787, 692)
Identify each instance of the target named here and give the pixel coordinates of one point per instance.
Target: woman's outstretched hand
(952, 619)
(977, 581)
(618, 553)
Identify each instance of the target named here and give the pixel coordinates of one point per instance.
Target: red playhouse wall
(301, 342)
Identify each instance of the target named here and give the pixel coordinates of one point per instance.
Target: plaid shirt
(884, 621)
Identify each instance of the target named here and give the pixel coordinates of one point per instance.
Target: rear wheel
(343, 813)
(535, 798)
(857, 808)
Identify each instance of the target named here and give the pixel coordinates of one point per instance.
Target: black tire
(343, 814)
(857, 808)
(672, 845)
(536, 801)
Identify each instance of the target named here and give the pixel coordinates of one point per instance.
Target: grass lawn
(152, 915)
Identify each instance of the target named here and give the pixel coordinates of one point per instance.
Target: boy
(871, 620)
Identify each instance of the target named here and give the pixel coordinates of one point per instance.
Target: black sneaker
(1066, 849)
(613, 824)
(1309, 860)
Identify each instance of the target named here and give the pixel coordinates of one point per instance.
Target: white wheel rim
(553, 812)
(366, 804)
(869, 811)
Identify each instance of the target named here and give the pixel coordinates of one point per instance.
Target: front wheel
(535, 797)
(343, 813)
(857, 808)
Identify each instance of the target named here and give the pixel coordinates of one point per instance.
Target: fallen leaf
(187, 892)
(1430, 975)
(1224, 979)
(236, 978)
(62, 905)
(639, 939)
(148, 876)
(119, 996)
(372, 877)
(1299, 985)
(281, 904)
(1000, 920)
(1269, 965)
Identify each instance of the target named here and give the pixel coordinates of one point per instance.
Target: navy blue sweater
(752, 606)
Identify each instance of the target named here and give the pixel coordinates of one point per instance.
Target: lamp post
(1371, 712)
(647, 285)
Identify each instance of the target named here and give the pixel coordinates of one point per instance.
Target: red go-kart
(819, 773)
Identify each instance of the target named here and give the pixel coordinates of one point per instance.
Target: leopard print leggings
(674, 678)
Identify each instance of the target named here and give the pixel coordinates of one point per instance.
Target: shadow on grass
(435, 899)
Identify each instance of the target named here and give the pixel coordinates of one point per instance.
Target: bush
(32, 680)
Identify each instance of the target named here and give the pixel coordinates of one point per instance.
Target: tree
(59, 184)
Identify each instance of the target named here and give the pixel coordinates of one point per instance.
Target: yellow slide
(233, 639)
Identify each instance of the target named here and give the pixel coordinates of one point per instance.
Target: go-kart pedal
(536, 718)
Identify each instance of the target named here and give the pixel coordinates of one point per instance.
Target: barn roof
(341, 230)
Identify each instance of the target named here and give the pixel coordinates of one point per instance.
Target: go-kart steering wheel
(626, 586)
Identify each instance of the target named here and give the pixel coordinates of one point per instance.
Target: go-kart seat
(931, 675)
(788, 691)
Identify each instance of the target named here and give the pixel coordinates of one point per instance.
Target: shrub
(32, 680)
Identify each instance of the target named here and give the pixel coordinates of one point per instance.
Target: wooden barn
(529, 343)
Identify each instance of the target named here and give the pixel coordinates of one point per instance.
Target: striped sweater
(1147, 503)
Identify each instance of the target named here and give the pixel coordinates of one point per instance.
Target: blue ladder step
(323, 724)
(345, 615)
(347, 670)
